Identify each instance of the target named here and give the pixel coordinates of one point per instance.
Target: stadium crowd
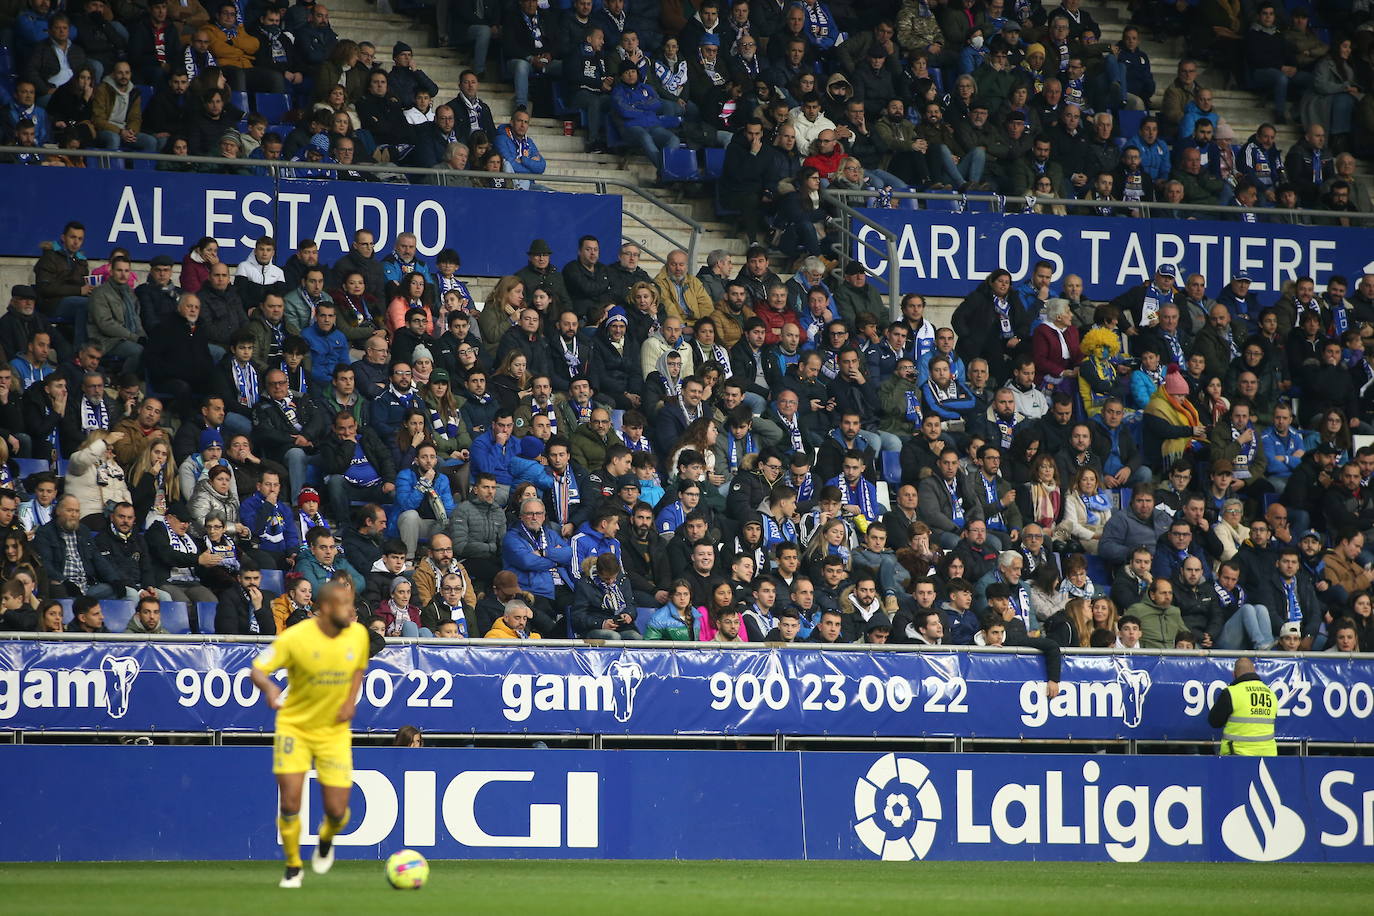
(726, 454)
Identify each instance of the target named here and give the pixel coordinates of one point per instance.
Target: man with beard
(645, 558)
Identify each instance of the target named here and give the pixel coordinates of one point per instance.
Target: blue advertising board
(467, 803)
(186, 686)
(152, 213)
(947, 254)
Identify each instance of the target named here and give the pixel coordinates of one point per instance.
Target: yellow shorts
(332, 757)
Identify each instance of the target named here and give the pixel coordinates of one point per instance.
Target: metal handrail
(276, 166)
(674, 645)
(835, 197)
(989, 197)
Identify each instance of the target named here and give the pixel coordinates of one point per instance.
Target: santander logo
(1263, 829)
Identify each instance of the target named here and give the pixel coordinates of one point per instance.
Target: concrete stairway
(359, 20)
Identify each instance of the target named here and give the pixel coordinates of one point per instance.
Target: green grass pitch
(599, 888)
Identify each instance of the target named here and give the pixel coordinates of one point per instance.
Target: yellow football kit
(319, 677)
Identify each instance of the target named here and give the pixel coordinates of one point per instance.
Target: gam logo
(612, 691)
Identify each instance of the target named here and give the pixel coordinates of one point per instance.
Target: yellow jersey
(319, 675)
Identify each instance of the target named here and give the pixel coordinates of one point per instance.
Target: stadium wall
(182, 803)
(188, 685)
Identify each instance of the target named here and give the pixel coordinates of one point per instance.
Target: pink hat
(1174, 383)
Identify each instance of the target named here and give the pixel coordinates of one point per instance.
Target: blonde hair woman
(154, 480)
(502, 308)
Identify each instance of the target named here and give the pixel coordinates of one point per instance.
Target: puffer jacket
(477, 529)
(205, 500)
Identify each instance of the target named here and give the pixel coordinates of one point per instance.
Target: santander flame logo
(1263, 830)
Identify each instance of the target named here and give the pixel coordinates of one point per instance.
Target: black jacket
(48, 544)
(1200, 607)
(1270, 593)
(588, 289)
(234, 615)
(646, 564)
(272, 431)
(587, 610)
(335, 455)
(979, 334)
(165, 557)
(180, 351)
(123, 563)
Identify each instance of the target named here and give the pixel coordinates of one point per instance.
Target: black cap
(538, 247)
(977, 103)
(178, 508)
(24, 291)
(878, 621)
(627, 480)
(1326, 448)
(853, 268)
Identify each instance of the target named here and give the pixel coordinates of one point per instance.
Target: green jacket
(1159, 626)
(892, 406)
(1202, 188)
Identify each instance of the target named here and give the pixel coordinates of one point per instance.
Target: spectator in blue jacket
(424, 499)
(402, 261)
(1140, 79)
(1261, 161)
(1154, 152)
(637, 110)
(942, 394)
(517, 148)
(1283, 448)
(328, 347)
(24, 107)
(389, 408)
(595, 537)
(495, 453)
(271, 522)
(541, 559)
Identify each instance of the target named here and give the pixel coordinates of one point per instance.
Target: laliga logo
(120, 671)
(1134, 686)
(1264, 830)
(896, 808)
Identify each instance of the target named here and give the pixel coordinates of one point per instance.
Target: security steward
(1245, 713)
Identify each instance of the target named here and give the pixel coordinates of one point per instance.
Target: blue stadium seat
(61, 467)
(66, 609)
(6, 61)
(1128, 122)
(145, 93)
(240, 101)
(272, 105)
(175, 618)
(722, 210)
(117, 614)
(715, 162)
(617, 417)
(892, 467)
(205, 613)
(273, 581)
(681, 164)
(29, 466)
(948, 202)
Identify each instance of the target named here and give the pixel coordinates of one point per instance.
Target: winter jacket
(588, 611)
(534, 571)
(478, 529)
(94, 478)
(123, 562)
(1125, 531)
(1159, 626)
(665, 623)
(308, 566)
(205, 500)
(48, 544)
(112, 316)
(410, 496)
(505, 463)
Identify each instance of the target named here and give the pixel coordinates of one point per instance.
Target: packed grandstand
(754, 448)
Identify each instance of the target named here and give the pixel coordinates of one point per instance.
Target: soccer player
(324, 659)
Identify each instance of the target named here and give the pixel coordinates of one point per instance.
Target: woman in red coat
(1054, 345)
